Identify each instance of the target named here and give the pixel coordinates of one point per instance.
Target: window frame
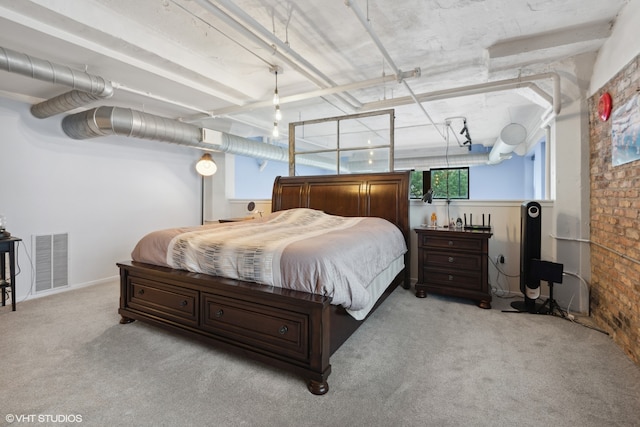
(428, 176)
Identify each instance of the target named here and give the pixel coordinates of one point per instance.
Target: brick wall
(615, 222)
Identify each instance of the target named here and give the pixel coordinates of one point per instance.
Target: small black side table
(7, 246)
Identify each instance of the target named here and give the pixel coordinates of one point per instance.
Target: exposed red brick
(615, 223)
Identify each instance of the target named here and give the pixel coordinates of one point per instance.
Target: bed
(286, 328)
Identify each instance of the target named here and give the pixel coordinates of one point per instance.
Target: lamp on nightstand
(205, 167)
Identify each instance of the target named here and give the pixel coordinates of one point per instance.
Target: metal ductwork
(105, 121)
(511, 136)
(233, 144)
(426, 163)
(87, 87)
(244, 147)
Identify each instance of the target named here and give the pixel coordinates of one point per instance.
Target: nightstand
(455, 263)
(7, 246)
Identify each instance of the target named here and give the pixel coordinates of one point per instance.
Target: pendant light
(276, 102)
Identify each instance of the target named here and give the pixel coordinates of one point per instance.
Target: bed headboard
(384, 195)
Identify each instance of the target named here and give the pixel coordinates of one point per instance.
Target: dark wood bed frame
(288, 329)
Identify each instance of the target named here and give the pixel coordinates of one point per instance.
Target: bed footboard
(282, 328)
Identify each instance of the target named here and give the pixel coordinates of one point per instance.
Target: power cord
(504, 293)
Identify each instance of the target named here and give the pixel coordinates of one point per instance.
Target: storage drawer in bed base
(262, 326)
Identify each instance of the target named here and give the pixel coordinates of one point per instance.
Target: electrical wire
(500, 272)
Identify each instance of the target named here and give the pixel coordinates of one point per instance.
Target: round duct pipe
(104, 121)
(510, 137)
(87, 87)
(427, 163)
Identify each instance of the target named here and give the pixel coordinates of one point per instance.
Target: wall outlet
(500, 259)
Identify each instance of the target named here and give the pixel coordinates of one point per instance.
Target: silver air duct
(88, 87)
(510, 137)
(246, 147)
(233, 144)
(104, 121)
(426, 163)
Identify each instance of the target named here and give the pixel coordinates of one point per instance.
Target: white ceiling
(208, 62)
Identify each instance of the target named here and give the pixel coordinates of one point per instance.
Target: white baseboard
(70, 287)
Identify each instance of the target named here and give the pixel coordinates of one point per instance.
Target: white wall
(106, 192)
(620, 48)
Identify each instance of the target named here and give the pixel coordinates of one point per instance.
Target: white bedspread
(302, 249)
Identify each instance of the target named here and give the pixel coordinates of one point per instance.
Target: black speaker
(530, 235)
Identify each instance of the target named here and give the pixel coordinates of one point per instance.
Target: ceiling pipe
(87, 87)
(365, 23)
(106, 121)
(481, 88)
(320, 93)
(269, 41)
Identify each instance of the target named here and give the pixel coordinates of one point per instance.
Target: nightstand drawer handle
(184, 303)
(450, 277)
(450, 242)
(141, 292)
(450, 259)
(283, 330)
(219, 313)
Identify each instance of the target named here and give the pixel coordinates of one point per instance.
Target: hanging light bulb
(276, 97)
(206, 166)
(276, 101)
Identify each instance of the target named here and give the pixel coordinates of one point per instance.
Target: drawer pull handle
(219, 313)
(283, 330)
(450, 242)
(450, 277)
(183, 303)
(141, 292)
(450, 259)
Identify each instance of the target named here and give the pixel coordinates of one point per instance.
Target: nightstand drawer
(169, 302)
(458, 260)
(451, 243)
(454, 278)
(255, 324)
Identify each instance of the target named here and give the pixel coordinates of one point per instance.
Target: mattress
(344, 258)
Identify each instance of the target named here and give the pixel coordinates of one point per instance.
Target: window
(416, 187)
(446, 183)
(355, 143)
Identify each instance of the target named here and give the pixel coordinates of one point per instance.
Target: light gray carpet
(415, 362)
